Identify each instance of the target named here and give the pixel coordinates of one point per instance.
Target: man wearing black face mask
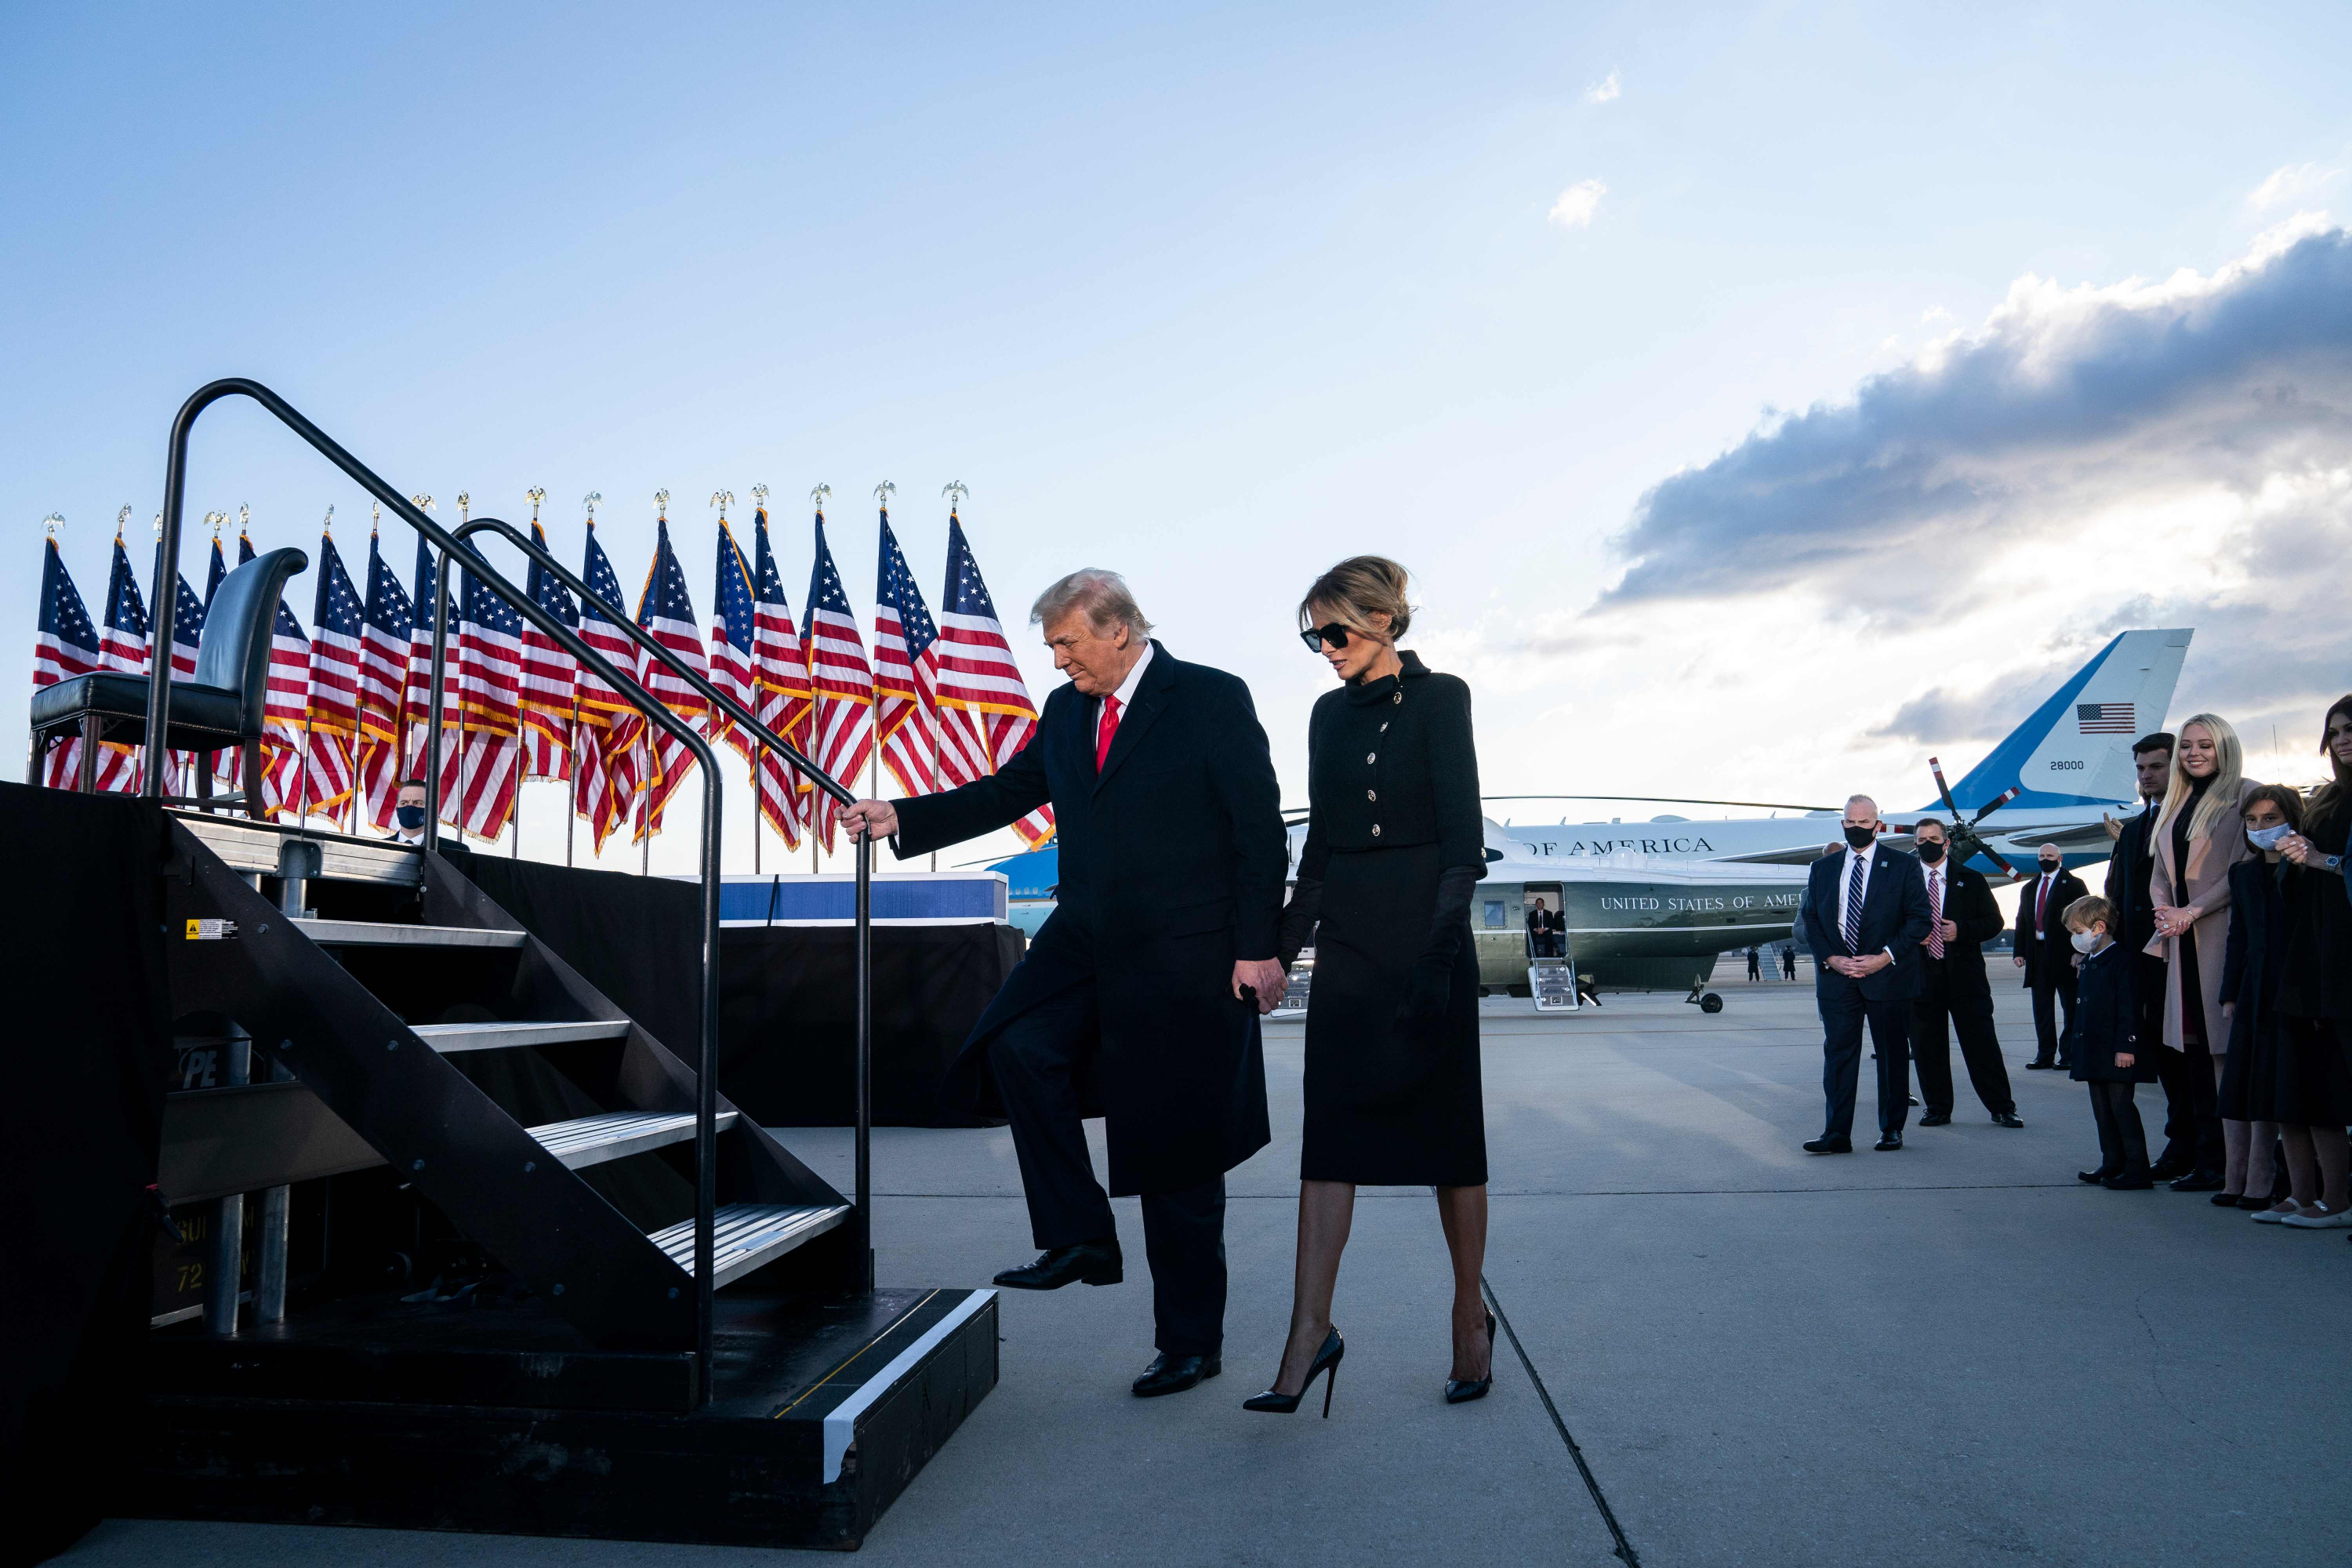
(1953, 990)
(2046, 953)
(1866, 915)
(409, 811)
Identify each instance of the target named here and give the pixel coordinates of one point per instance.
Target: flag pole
(572, 784)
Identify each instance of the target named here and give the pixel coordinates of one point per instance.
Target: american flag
(906, 671)
(289, 700)
(843, 685)
(550, 677)
(734, 640)
(416, 717)
(666, 610)
(65, 645)
(332, 718)
(986, 716)
(383, 672)
(187, 633)
(489, 683)
(2105, 718)
(226, 763)
(122, 644)
(603, 772)
(779, 664)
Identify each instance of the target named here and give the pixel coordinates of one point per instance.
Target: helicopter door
(1551, 974)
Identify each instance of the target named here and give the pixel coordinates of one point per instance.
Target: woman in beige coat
(2200, 834)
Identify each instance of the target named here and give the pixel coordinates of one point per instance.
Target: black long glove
(1296, 932)
(1430, 985)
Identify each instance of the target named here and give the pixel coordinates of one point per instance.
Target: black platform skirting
(786, 1024)
(87, 1058)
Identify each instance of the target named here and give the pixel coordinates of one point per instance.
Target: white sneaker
(2339, 1220)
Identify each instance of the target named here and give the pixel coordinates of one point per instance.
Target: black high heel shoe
(1325, 1365)
(1463, 1390)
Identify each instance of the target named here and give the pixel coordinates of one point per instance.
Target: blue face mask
(412, 817)
(2267, 838)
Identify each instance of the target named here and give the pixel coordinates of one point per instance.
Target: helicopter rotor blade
(2011, 792)
(1944, 790)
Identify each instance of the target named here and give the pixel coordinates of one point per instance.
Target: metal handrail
(159, 699)
(863, 919)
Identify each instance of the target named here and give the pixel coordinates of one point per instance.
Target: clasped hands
(1859, 968)
(2172, 919)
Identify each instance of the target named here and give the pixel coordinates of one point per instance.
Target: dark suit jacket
(1894, 916)
(2049, 956)
(1172, 861)
(2126, 883)
(1968, 904)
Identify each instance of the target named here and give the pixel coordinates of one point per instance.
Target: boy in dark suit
(2107, 1051)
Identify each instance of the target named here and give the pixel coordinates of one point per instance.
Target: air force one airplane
(2051, 779)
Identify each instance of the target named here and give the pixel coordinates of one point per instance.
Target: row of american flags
(350, 713)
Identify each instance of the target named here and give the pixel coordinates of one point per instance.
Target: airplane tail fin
(2077, 748)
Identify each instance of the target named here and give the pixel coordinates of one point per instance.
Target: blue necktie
(1854, 908)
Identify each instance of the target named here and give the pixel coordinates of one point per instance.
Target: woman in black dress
(1394, 844)
(2315, 990)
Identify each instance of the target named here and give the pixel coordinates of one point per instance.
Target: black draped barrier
(786, 1020)
(88, 1059)
(787, 1030)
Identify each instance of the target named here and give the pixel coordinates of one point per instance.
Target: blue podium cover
(941, 898)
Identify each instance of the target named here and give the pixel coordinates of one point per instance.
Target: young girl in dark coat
(2108, 1054)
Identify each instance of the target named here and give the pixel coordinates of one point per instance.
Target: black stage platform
(506, 1420)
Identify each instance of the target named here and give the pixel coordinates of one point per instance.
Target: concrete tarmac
(1955, 1353)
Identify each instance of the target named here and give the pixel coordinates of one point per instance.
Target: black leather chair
(221, 709)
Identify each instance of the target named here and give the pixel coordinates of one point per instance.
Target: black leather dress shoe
(1095, 1262)
(2095, 1178)
(2120, 1183)
(1888, 1141)
(1825, 1145)
(2199, 1182)
(1175, 1374)
(2168, 1168)
(2006, 1119)
(2039, 1066)
(1937, 1119)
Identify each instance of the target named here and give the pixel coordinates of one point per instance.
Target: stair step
(247, 845)
(380, 933)
(746, 1236)
(617, 1135)
(448, 1038)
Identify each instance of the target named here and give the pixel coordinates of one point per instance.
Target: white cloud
(1578, 204)
(2288, 182)
(1605, 90)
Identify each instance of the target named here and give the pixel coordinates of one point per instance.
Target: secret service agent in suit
(408, 812)
(2127, 889)
(1864, 919)
(1138, 1000)
(2046, 953)
(1541, 924)
(1953, 990)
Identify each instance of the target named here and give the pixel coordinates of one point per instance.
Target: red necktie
(1104, 730)
(1935, 916)
(2041, 910)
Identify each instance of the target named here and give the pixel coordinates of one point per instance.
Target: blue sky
(1215, 295)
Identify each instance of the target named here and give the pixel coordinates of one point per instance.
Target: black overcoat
(1173, 860)
(2107, 1018)
(2255, 960)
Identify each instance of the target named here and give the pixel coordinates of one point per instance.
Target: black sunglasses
(1315, 637)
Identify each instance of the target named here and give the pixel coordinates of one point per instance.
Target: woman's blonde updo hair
(1355, 590)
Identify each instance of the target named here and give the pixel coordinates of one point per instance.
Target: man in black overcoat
(1138, 1000)
(2189, 1098)
(2045, 951)
(1866, 914)
(1954, 995)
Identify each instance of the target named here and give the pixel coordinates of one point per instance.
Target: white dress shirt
(1126, 692)
(1846, 887)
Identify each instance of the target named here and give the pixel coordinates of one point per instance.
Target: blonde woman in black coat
(1394, 844)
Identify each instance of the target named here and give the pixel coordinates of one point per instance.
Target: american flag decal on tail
(2105, 718)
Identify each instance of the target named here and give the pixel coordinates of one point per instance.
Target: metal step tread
(746, 1236)
(247, 845)
(617, 1134)
(450, 1037)
(382, 934)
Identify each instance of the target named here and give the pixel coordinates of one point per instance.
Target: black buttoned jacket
(1968, 904)
(1365, 799)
